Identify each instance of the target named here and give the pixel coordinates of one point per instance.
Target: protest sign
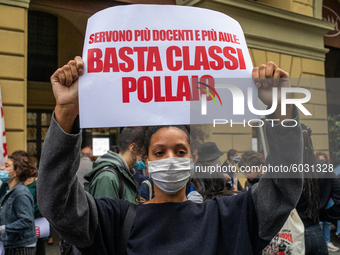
(42, 227)
(152, 65)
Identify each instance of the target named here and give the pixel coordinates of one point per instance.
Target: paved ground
(53, 249)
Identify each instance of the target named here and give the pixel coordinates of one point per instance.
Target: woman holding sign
(169, 223)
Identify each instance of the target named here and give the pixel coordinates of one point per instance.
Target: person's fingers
(68, 75)
(277, 76)
(256, 77)
(270, 69)
(74, 71)
(55, 76)
(61, 76)
(268, 74)
(283, 74)
(280, 74)
(79, 64)
(262, 76)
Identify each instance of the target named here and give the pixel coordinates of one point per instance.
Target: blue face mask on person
(140, 165)
(4, 176)
(236, 160)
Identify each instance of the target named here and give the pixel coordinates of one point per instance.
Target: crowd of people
(19, 178)
(150, 195)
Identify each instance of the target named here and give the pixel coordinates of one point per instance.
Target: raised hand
(268, 76)
(65, 89)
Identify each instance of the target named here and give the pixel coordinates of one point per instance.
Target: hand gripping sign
(157, 65)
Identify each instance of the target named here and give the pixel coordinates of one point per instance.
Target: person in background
(115, 149)
(106, 183)
(17, 229)
(85, 166)
(208, 186)
(209, 154)
(145, 189)
(208, 182)
(324, 155)
(312, 207)
(326, 229)
(322, 158)
(141, 173)
(110, 183)
(4, 186)
(31, 184)
(230, 163)
(251, 162)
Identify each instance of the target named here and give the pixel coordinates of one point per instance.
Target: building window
(89, 134)
(42, 46)
(38, 123)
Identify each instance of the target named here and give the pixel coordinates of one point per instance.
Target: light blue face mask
(140, 165)
(4, 176)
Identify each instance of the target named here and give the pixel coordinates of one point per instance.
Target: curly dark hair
(22, 167)
(128, 136)
(194, 133)
(21, 153)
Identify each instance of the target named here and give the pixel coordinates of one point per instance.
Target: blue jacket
(16, 214)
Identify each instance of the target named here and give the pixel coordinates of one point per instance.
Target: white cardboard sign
(150, 64)
(42, 227)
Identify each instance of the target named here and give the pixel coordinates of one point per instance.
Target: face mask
(170, 174)
(140, 165)
(236, 160)
(4, 176)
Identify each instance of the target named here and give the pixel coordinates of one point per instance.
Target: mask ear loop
(13, 175)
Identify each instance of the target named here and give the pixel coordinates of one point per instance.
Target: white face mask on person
(170, 174)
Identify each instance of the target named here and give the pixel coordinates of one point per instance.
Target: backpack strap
(126, 228)
(150, 188)
(121, 187)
